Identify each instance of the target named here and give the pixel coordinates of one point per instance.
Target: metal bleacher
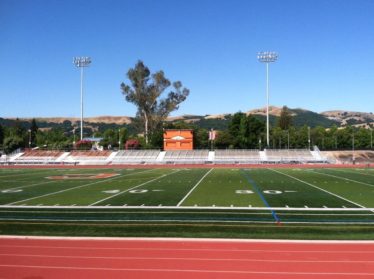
(36, 157)
(289, 155)
(88, 157)
(135, 156)
(237, 156)
(227, 156)
(186, 156)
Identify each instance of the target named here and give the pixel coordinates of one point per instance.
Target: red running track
(38, 258)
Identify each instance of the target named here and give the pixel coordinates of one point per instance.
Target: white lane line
(186, 259)
(73, 188)
(321, 189)
(193, 188)
(359, 244)
(132, 240)
(187, 270)
(344, 178)
(132, 188)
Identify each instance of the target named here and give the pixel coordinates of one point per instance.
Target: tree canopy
(285, 119)
(145, 91)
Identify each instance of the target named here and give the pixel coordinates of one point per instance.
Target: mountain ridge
(300, 117)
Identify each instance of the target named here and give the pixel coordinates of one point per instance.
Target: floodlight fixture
(267, 57)
(82, 62)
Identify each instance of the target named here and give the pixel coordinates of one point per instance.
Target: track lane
(160, 258)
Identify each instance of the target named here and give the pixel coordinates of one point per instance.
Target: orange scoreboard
(178, 139)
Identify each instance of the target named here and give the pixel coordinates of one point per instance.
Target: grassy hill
(300, 117)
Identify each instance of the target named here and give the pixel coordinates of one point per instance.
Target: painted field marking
(321, 189)
(344, 178)
(84, 185)
(357, 171)
(132, 188)
(27, 174)
(254, 186)
(111, 191)
(194, 187)
(11, 191)
(26, 186)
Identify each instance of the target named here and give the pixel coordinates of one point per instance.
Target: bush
(12, 143)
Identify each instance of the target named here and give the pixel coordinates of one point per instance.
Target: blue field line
(255, 187)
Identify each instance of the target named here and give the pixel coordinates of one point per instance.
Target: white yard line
(27, 174)
(343, 178)
(321, 189)
(195, 208)
(31, 185)
(142, 184)
(84, 185)
(358, 171)
(193, 188)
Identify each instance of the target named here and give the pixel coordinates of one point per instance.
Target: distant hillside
(218, 121)
(349, 117)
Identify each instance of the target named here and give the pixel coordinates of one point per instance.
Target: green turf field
(327, 196)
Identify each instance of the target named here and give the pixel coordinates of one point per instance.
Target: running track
(38, 258)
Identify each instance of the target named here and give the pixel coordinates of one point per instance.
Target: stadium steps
(111, 156)
(211, 156)
(62, 157)
(161, 156)
(263, 156)
(15, 157)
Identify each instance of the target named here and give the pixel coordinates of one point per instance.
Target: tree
(224, 139)
(12, 143)
(33, 130)
(145, 92)
(285, 119)
(246, 130)
(235, 126)
(1, 134)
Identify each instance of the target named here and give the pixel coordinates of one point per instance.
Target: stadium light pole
(371, 138)
(119, 139)
(353, 147)
(82, 62)
(74, 136)
(29, 138)
(309, 137)
(267, 57)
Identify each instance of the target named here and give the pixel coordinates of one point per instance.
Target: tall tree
(1, 134)
(33, 130)
(145, 92)
(285, 119)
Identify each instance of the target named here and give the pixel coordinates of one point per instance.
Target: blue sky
(326, 53)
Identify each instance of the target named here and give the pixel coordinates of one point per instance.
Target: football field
(283, 195)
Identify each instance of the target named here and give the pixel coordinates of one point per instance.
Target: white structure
(267, 57)
(82, 62)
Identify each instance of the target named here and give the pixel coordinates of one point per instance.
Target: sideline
(179, 239)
